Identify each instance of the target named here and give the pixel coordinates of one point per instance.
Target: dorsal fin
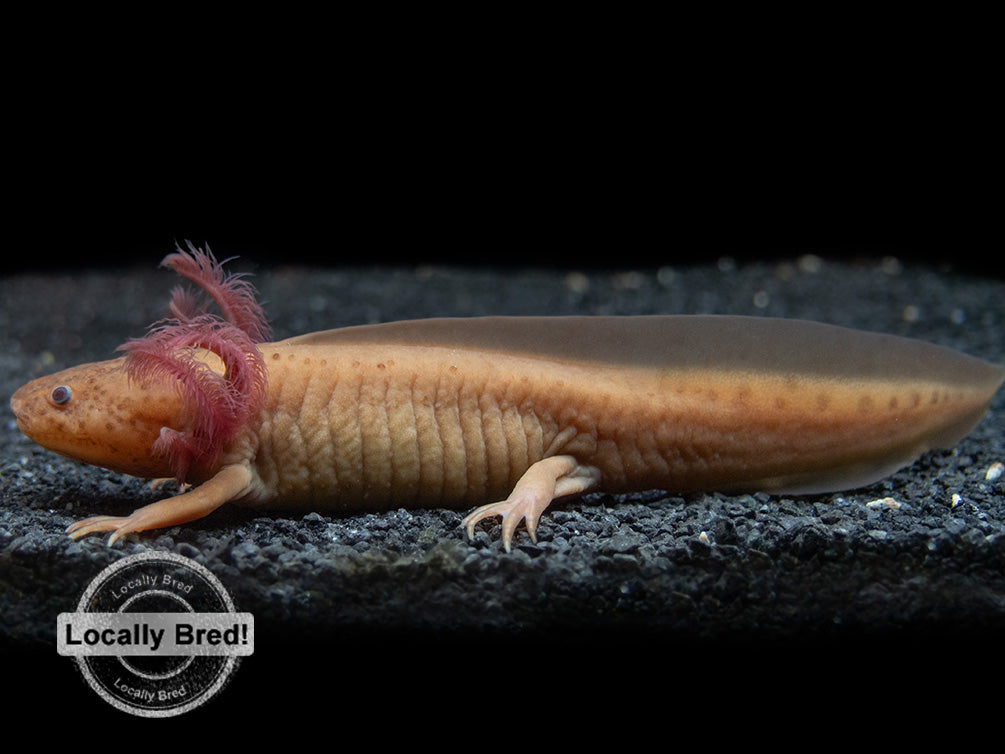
(700, 341)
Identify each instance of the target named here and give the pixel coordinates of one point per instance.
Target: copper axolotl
(468, 411)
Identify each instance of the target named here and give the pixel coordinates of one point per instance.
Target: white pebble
(994, 471)
(883, 502)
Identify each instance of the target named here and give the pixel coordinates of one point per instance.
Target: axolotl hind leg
(549, 478)
(229, 483)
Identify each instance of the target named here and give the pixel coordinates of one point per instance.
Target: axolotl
(464, 412)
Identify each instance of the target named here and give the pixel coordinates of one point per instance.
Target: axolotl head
(99, 414)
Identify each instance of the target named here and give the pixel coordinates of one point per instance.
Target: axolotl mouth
(28, 403)
(17, 406)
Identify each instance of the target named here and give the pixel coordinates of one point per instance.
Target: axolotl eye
(61, 395)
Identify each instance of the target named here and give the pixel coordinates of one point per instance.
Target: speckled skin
(458, 412)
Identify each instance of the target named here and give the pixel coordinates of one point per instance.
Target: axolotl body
(522, 410)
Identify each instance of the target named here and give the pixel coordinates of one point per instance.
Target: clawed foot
(512, 512)
(544, 481)
(118, 525)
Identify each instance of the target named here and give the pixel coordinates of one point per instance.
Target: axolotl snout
(461, 412)
(98, 414)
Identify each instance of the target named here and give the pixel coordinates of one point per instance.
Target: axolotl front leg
(230, 483)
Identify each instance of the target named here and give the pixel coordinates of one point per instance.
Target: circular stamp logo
(156, 634)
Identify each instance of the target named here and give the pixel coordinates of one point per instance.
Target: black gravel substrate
(693, 593)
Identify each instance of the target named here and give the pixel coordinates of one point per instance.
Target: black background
(494, 214)
(618, 174)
